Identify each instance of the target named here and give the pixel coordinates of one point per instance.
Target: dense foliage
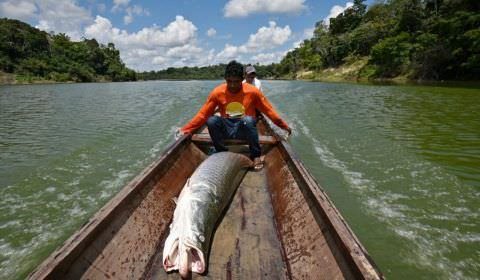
(212, 72)
(29, 52)
(415, 39)
(418, 39)
(202, 73)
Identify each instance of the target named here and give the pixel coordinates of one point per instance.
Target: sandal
(258, 163)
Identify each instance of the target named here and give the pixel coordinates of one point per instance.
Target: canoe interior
(280, 225)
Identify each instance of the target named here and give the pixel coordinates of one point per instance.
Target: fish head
(191, 259)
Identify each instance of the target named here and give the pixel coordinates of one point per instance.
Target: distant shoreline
(9, 79)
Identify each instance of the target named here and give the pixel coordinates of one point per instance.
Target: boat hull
(280, 225)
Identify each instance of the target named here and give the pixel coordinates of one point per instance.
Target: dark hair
(234, 69)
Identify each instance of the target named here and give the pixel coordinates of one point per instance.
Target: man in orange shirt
(237, 102)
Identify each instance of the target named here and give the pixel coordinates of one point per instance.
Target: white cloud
(101, 8)
(297, 44)
(159, 60)
(141, 53)
(211, 32)
(22, 10)
(230, 52)
(121, 2)
(186, 55)
(62, 17)
(185, 51)
(175, 57)
(335, 11)
(128, 19)
(178, 32)
(58, 16)
(308, 33)
(266, 38)
(154, 47)
(136, 10)
(243, 8)
(267, 58)
(100, 29)
(117, 4)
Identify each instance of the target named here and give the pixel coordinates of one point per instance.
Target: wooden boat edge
(362, 265)
(365, 267)
(73, 246)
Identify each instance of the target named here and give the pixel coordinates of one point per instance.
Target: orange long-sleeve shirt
(237, 104)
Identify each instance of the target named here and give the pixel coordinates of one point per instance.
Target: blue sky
(154, 35)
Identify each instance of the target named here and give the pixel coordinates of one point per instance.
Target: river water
(402, 163)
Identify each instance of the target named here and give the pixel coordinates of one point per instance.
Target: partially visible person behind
(251, 77)
(237, 102)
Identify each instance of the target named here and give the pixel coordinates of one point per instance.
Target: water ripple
(401, 163)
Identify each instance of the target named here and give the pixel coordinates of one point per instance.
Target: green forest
(392, 39)
(406, 39)
(206, 73)
(416, 39)
(33, 55)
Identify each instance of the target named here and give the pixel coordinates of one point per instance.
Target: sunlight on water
(400, 163)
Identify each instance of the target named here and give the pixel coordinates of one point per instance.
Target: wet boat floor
(245, 245)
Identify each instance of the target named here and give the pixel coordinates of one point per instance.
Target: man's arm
(265, 107)
(201, 117)
(258, 84)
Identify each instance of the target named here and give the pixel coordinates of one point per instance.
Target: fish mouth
(170, 261)
(184, 257)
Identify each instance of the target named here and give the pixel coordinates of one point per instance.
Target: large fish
(199, 207)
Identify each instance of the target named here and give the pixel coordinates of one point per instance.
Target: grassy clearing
(348, 72)
(355, 69)
(7, 78)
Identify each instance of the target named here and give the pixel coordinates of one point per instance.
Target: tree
(392, 55)
(19, 41)
(411, 15)
(349, 19)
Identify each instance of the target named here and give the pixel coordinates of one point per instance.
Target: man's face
(234, 84)
(249, 77)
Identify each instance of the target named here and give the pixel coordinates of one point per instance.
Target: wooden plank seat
(205, 138)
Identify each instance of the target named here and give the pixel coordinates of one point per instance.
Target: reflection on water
(401, 163)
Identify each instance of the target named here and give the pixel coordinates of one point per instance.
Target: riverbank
(16, 79)
(348, 72)
(353, 72)
(357, 70)
(7, 79)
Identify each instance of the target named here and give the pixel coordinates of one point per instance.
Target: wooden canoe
(280, 224)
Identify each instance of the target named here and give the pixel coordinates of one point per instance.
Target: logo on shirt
(235, 110)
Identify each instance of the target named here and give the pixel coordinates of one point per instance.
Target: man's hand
(289, 130)
(179, 133)
(286, 135)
